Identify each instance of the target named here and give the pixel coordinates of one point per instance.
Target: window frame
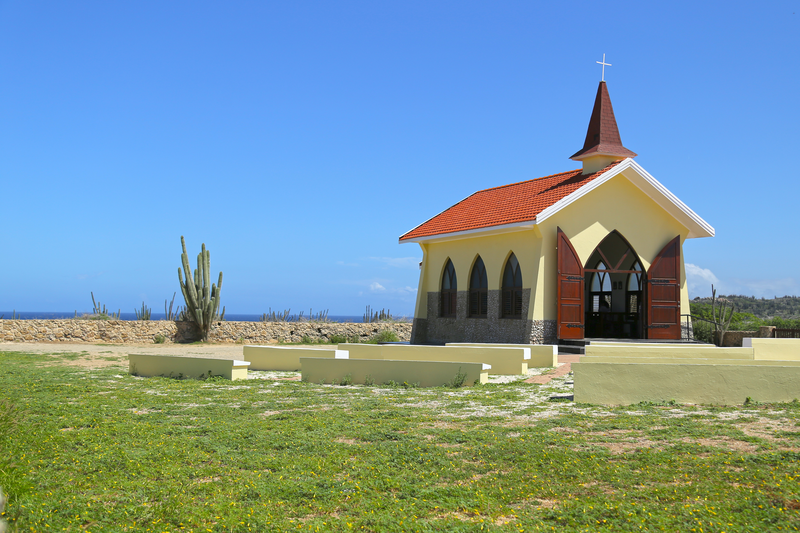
(478, 296)
(448, 302)
(605, 277)
(637, 293)
(511, 295)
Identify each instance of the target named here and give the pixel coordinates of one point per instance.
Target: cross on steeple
(602, 145)
(603, 62)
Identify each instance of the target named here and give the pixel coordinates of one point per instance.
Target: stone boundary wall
(145, 331)
(735, 338)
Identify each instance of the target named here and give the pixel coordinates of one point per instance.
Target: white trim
(696, 225)
(489, 230)
(701, 229)
(434, 216)
(581, 192)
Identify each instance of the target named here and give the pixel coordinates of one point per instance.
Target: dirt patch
(765, 428)
(217, 351)
(724, 442)
(538, 503)
(87, 361)
(625, 447)
(90, 356)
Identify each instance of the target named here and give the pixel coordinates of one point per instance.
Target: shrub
(385, 335)
(703, 331)
(159, 339)
(458, 380)
(337, 339)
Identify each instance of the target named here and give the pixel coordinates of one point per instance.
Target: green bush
(703, 331)
(458, 380)
(159, 339)
(385, 335)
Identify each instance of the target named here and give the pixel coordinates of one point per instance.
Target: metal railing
(687, 332)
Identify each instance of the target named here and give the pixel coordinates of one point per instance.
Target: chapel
(594, 252)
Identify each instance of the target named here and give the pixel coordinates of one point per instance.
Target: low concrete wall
(542, 355)
(736, 338)
(504, 360)
(684, 361)
(648, 344)
(381, 371)
(135, 331)
(625, 384)
(774, 349)
(186, 367)
(658, 351)
(284, 358)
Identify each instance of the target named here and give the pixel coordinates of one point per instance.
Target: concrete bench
(681, 344)
(725, 382)
(659, 351)
(504, 360)
(773, 349)
(542, 355)
(382, 371)
(185, 367)
(284, 358)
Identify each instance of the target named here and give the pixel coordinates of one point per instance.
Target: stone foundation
(138, 332)
(544, 332)
(440, 330)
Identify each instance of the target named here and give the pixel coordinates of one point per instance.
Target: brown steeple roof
(602, 137)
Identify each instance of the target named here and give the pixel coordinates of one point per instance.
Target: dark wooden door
(570, 290)
(663, 293)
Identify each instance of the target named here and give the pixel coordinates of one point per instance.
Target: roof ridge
(522, 203)
(525, 181)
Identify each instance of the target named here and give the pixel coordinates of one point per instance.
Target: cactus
(168, 313)
(202, 298)
(382, 316)
(99, 311)
(272, 316)
(143, 313)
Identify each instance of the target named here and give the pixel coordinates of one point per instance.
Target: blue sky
(298, 140)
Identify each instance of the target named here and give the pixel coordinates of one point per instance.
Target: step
(571, 349)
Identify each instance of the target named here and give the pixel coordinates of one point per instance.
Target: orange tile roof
(507, 204)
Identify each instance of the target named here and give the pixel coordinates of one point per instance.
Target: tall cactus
(202, 298)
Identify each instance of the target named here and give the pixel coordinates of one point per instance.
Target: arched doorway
(613, 295)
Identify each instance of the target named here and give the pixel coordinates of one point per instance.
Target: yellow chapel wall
(588, 220)
(493, 249)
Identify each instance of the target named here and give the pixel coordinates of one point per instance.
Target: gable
(528, 203)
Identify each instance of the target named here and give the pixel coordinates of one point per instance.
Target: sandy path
(218, 351)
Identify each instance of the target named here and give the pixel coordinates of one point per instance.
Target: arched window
(449, 291)
(512, 289)
(601, 289)
(478, 290)
(634, 293)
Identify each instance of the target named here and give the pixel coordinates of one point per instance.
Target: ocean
(32, 315)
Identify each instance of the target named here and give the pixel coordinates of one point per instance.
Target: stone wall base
(544, 332)
(146, 331)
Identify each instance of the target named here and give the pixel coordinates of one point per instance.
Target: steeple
(603, 144)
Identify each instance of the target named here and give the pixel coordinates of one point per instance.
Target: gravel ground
(218, 351)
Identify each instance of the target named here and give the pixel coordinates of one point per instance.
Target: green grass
(100, 450)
